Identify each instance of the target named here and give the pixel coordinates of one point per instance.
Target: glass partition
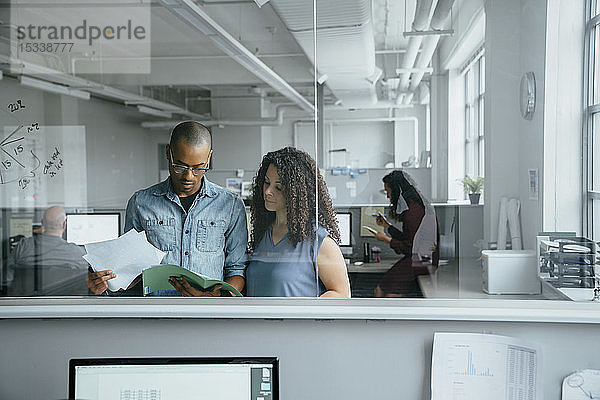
(425, 147)
(374, 164)
(93, 149)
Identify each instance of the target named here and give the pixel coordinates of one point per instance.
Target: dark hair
(400, 187)
(192, 133)
(297, 172)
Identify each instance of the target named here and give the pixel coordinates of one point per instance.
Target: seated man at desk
(45, 263)
(201, 226)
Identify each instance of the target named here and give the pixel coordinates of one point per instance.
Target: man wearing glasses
(200, 225)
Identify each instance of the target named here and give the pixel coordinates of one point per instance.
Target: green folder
(157, 278)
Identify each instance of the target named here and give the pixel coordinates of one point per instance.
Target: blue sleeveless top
(282, 270)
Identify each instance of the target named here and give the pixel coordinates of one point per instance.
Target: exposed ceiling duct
(420, 23)
(440, 15)
(345, 45)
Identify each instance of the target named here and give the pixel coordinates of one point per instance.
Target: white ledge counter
(303, 308)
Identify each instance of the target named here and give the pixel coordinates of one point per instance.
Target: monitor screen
(174, 378)
(89, 228)
(345, 226)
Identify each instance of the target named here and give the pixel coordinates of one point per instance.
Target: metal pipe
(422, 11)
(441, 13)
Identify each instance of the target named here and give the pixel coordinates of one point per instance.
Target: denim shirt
(210, 239)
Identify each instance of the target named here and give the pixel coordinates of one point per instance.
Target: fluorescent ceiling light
(53, 87)
(198, 18)
(154, 111)
(261, 3)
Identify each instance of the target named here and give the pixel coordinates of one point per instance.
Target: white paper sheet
(471, 366)
(126, 256)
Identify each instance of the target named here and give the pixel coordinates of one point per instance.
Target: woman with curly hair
(289, 252)
(416, 240)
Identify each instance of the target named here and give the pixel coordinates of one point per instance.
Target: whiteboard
(41, 165)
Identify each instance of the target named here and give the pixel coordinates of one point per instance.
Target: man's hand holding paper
(118, 262)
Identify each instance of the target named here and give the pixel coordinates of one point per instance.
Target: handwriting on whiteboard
(16, 106)
(19, 161)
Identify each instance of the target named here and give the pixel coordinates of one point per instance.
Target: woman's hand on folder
(187, 290)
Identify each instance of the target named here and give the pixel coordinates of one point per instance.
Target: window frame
(474, 114)
(591, 110)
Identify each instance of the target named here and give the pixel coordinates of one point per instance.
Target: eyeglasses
(182, 169)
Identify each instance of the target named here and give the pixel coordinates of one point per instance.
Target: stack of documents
(126, 256)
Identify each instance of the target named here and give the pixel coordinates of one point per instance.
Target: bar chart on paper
(474, 366)
(470, 369)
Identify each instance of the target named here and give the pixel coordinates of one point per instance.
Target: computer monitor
(345, 226)
(89, 228)
(174, 378)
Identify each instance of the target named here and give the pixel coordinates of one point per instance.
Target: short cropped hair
(192, 133)
(54, 218)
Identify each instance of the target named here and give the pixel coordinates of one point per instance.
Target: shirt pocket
(211, 235)
(161, 233)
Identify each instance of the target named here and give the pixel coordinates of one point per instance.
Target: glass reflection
(87, 125)
(433, 95)
(44, 263)
(85, 129)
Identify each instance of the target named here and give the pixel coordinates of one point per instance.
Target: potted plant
(473, 188)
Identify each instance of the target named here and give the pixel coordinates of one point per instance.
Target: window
(474, 83)
(592, 122)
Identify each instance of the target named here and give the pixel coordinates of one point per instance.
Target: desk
(459, 279)
(364, 278)
(462, 279)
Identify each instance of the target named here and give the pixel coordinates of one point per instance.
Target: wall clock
(527, 97)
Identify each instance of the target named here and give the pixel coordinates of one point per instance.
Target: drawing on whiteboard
(40, 163)
(18, 159)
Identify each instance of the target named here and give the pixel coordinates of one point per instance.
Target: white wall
(531, 133)
(368, 144)
(515, 43)
(550, 142)
(318, 359)
(235, 146)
